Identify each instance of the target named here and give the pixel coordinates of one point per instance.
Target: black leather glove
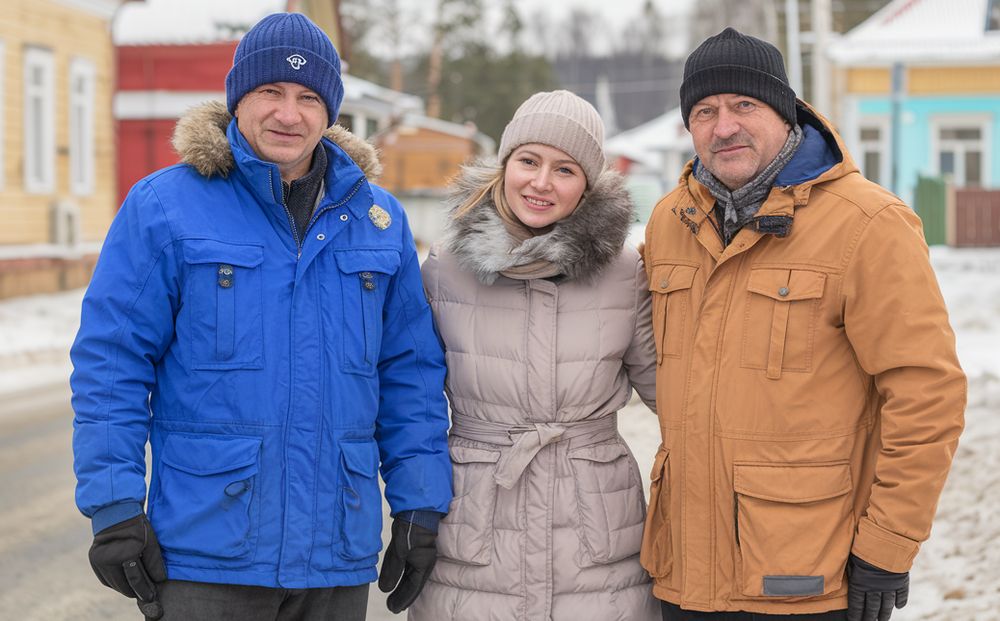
(407, 563)
(126, 557)
(872, 592)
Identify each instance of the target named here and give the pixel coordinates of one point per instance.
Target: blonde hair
(488, 181)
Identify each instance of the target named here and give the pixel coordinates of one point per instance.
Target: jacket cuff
(114, 514)
(427, 519)
(882, 548)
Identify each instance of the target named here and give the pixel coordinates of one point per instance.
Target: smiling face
(736, 136)
(542, 184)
(283, 122)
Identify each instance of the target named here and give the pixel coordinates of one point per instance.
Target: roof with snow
(189, 21)
(939, 32)
(646, 143)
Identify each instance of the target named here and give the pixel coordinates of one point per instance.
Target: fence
(977, 217)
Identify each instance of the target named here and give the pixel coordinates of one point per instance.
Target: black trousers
(671, 612)
(202, 601)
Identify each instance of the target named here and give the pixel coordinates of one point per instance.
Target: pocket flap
(382, 261)
(668, 278)
(792, 483)
(603, 453)
(472, 455)
(661, 457)
(787, 285)
(214, 454)
(360, 457)
(212, 251)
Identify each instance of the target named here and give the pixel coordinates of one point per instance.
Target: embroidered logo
(296, 61)
(379, 217)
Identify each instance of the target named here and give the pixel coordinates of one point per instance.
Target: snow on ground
(957, 574)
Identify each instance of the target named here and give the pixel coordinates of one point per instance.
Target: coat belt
(524, 440)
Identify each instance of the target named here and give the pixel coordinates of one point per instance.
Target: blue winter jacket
(270, 375)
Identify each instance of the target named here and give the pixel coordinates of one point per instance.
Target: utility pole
(794, 47)
(821, 20)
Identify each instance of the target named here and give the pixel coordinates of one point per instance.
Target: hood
(200, 141)
(582, 244)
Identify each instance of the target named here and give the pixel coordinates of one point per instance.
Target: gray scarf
(738, 207)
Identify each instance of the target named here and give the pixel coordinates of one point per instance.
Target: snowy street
(44, 540)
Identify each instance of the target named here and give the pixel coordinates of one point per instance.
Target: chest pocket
(224, 293)
(780, 322)
(670, 286)
(365, 276)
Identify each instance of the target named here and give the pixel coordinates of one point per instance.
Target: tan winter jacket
(548, 511)
(809, 394)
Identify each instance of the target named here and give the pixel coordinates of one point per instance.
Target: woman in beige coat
(544, 314)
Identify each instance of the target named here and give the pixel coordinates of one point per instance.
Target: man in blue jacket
(257, 316)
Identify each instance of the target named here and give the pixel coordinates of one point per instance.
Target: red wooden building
(156, 84)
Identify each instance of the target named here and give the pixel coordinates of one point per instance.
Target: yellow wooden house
(57, 141)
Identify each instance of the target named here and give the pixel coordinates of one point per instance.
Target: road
(44, 574)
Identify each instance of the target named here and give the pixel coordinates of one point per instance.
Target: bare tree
(752, 17)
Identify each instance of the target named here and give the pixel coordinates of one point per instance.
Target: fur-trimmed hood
(200, 141)
(582, 244)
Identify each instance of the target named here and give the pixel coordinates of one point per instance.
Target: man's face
(283, 122)
(736, 136)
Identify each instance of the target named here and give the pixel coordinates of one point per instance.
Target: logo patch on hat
(379, 217)
(296, 61)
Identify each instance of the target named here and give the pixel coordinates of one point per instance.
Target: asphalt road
(44, 573)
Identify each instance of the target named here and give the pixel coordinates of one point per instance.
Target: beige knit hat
(562, 120)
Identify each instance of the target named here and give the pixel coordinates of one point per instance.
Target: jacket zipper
(288, 214)
(343, 201)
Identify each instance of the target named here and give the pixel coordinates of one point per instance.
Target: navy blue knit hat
(732, 62)
(286, 47)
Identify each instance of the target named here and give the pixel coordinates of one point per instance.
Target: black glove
(126, 557)
(872, 592)
(407, 563)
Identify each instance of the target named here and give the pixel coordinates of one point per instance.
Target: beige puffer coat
(548, 511)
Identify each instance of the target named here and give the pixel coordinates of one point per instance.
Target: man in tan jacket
(809, 394)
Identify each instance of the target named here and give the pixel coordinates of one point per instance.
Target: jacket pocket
(225, 298)
(466, 533)
(794, 527)
(656, 556)
(610, 501)
(206, 504)
(360, 500)
(670, 287)
(365, 277)
(780, 321)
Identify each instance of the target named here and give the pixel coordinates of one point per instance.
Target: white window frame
(884, 146)
(81, 137)
(983, 122)
(41, 148)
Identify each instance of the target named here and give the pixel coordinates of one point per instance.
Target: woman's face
(542, 184)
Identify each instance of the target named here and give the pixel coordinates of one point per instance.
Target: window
(993, 15)
(960, 151)
(874, 146)
(81, 126)
(39, 121)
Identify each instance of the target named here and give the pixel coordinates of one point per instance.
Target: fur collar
(200, 140)
(581, 244)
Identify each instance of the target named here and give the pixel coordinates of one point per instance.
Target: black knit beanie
(732, 62)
